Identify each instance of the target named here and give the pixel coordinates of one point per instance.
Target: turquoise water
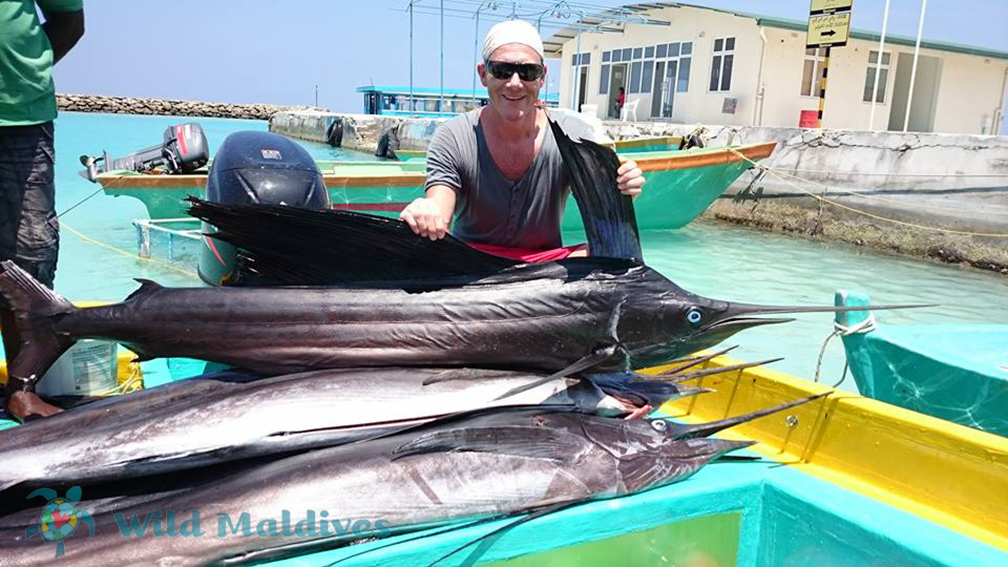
(711, 259)
(87, 271)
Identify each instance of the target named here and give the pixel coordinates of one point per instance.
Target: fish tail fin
(710, 428)
(34, 306)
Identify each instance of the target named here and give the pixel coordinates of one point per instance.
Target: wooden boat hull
(953, 372)
(680, 185)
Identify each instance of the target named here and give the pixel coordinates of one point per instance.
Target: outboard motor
(184, 149)
(256, 167)
(388, 144)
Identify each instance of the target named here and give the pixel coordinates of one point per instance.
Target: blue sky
(275, 51)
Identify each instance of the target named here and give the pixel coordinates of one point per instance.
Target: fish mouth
(712, 447)
(735, 317)
(724, 319)
(733, 325)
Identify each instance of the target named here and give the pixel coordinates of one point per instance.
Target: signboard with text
(828, 30)
(821, 6)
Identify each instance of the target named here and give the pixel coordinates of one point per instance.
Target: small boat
(680, 185)
(954, 372)
(842, 480)
(633, 145)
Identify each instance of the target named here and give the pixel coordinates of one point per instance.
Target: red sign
(809, 119)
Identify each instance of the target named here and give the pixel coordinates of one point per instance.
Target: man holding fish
(497, 169)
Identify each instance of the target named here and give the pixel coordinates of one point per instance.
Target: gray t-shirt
(489, 208)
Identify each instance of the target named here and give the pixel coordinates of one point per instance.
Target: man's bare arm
(63, 29)
(431, 216)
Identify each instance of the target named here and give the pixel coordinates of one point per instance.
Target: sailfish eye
(694, 316)
(659, 425)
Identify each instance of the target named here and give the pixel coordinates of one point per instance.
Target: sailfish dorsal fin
(608, 215)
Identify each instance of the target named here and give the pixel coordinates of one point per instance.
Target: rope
(884, 199)
(822, 199)
(158, 263)
(864, 327)
(132, 383)
(883, 174)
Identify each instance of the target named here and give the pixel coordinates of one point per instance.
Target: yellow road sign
(819, 6)
(828, 30)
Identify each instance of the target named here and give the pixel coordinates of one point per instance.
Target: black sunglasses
(526, 71)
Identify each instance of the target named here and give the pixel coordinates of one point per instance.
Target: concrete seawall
(941, 196)
(132, 105)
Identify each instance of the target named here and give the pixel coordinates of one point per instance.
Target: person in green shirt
(29, 230)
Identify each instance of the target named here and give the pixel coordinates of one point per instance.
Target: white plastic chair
(589, 109)
(629, 108)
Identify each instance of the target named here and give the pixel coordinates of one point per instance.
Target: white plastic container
(88, 368)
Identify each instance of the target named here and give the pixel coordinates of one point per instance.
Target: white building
(719, 67)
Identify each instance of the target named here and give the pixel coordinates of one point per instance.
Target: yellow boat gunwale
(947, 473)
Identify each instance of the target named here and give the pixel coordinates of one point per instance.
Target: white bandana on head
(512, 31)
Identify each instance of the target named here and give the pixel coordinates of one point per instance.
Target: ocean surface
(98, 259)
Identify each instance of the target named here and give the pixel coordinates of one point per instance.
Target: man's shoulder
(457, 129)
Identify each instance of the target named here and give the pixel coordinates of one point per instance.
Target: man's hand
(630, 178)
(424, 217)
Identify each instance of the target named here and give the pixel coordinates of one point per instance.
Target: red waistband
(527, 255)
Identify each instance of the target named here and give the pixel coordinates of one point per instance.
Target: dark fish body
(496, 464)
(532, 317)
(203, 422)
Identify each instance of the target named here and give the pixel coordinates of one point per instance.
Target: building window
(683, 82)
(721, 64)
(812, 74)
(647, 76)
(869, 86)
(635, 77)
(579, 64)
(641, 63)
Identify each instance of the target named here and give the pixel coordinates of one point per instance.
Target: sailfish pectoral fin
(598, 357)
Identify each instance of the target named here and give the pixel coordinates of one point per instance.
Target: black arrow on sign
(831, 32)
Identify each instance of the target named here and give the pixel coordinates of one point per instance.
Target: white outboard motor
(184, 150)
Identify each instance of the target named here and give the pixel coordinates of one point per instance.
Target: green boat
(954, 372)
(634, 145)
(680, 185)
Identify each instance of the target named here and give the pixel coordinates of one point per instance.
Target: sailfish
(339, 289)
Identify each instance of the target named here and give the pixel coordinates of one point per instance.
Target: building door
(656, 90)
(668, 89)
(617, 80)
(582, 87)
(925, 93)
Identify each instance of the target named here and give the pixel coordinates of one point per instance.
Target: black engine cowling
(256, 167)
